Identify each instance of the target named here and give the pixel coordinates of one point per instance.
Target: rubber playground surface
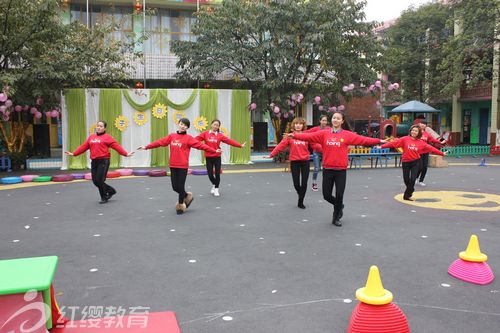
(251, 261)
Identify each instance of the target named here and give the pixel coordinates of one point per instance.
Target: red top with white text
(99, 145)
(213, 139)
(412, 148)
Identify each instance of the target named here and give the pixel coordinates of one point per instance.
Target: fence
(467, 150)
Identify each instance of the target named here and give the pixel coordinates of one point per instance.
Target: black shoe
(341, 213)
(103, 201)
(301, 204)
(336, 220)
(408, 198)
(110, 194)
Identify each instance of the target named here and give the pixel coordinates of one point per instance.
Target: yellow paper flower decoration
(121, 123)
(159, 111)
(140, 118)
(200, 123)
(92, 128)
(177, 115)
(224, 131)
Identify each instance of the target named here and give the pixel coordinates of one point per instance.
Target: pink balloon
(395, 85)
(3, 97)
(48, 114)
(54, 114)
(317, 99)
(351, 86)
(5, 117)
(390, 87)
(33, 110)
(341, 108)
(276, 109)
(38, 115)
(292, 104)
(253, 106)
(8, 103)
(285, 115)
(345, 88)
(378, 83)
(378, 103)
(3, 108)
(372, 87)
(18, 108)
(321, 108)
(300, 96)
(294, 97)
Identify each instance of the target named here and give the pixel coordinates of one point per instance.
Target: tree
(415, 49)
(469, 53)
(278, 48)
(40, 56)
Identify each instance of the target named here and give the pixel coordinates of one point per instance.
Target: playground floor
(251, 261)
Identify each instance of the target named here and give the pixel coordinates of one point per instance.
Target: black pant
(214, 162)
(300, 169)
(410, 174)
(335, 178)
(424, 160)
(178, 178)
(99, 170)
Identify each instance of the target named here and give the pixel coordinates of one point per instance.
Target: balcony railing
(480, 92)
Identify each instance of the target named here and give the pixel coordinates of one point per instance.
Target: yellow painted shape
(473, 251)
(454, 200)
(374, 292)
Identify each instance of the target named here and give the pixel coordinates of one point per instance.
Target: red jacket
(412, 148)
(427, 138)
(299, 150)
(336, 145)
(214, 139)
(99, 147)
(180, 146)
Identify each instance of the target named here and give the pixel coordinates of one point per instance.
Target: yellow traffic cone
(374, 292)
(473, 252)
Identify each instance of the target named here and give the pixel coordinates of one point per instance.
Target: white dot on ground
(484, 229)
(365, 198)
(413, 211)
(358, 244)
(172, 230)
(35, 217)
(446, 285)
(282, 252)
(147, 188)
(267, 183)
(304, 220)
(424, 236)
(347, 300)
(363, 215)
(15, 241)
(200, 195)
(274, 291)
(227, 318)
(242, 225)
(26, 227)
(366, 186)
(93, 270)
(151, 198)
(192, 261)
(160, 211)
(97, 235)
(57, 192)
(271, 204)
(101, 214)
(261, 238)
(47, 203)
(247, 192)
(217, 207)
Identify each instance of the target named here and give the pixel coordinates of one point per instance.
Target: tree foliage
(277, 48)
(40, 56)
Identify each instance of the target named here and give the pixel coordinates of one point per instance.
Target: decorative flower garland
(177, 115)
(121, 123)
(200, 123)
(140, 118)
(159, 111)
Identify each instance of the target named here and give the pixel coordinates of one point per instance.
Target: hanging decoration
(138, 6)
(121, 123)
(92, 129)
(200, 123)
(140, 118)
(139, 85)
(177, 115)
(224, 131)
(159, 111)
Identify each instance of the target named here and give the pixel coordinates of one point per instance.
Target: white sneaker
(421, 184)
(216, 192)
(213, 189)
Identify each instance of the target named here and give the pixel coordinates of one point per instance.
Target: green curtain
(240, 126)
(159, 129)
(208, 108)
(110, 107)
(141, 107)
(77, 128)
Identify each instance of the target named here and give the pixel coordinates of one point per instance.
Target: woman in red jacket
(299, 158)
(335, 145)
(99, 144)
(413, 147)
(317, 156)
(180, 146)
(213, 138)
(427, 138)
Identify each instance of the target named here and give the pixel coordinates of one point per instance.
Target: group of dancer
(329, 144)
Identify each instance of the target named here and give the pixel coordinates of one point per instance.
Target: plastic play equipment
(62, 178)
(28, 178)
(42, 179)
(113, 174)
(200, 172)
(78, 175)
(88, 176)
(157, 173)
(125, 172)
(471, 265)
(376, 313)
(140, 172)
(11, 180)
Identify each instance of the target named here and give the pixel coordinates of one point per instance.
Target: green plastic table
(21, 275)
